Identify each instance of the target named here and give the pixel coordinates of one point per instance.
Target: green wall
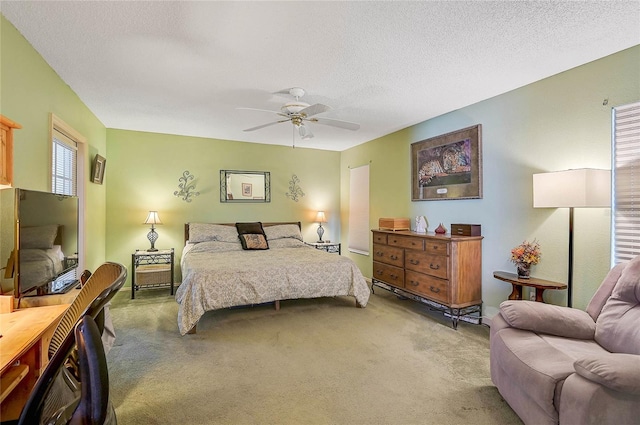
(143, 171)
(29, 91)
(555, 124)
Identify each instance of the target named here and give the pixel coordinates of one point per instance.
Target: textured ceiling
(185, 67)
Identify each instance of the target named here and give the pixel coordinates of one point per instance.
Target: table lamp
(320, 218)
(152, 219)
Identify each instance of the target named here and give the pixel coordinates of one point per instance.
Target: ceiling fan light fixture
(304, 132)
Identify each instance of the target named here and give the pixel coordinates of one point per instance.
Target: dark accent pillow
(252, 236)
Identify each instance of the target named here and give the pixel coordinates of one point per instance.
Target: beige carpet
(320, 361)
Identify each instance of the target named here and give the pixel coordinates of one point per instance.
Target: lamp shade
(581, 188)
(320, 218)
(153, 218)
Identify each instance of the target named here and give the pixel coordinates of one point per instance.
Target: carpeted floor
(320, 361)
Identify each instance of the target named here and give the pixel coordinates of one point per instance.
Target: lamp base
(152, 249)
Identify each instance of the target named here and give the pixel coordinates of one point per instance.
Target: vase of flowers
(525, 255)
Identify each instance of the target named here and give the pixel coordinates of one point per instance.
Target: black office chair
(51, 402)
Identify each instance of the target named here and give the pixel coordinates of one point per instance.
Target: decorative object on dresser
(441, 230)
(320, 218)
(443, 272)
(394, 224)
(466, 229)
(152, 219)
(151, 269)
(581, 188)
(6, 150)
(448, 166)
(421, 224)
(186, 190)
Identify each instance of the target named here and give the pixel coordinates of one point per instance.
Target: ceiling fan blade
(262, 110)
(336, 123)
(258, 127)
(316, 109)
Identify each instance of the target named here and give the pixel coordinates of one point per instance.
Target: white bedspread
(218, 275)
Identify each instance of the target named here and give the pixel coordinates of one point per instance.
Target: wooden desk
(26, 334)
(539, 284)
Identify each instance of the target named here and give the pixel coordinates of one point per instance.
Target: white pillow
(202, 232)
(282, 231)
(38, 237)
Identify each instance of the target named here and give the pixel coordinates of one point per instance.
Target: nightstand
(327, 246)
(151, 269)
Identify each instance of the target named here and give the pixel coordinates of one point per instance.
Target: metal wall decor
(187, 190)
(295, 190)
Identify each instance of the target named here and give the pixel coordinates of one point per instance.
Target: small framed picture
(97, 174)
(247, 189)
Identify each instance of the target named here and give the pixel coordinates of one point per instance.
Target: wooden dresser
(442, 271)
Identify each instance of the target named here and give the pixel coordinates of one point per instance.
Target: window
(63, 164)
(626, 183)
(359, 210)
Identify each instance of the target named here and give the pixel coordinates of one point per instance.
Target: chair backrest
(97, 291)
(47, 406)
(94, 375)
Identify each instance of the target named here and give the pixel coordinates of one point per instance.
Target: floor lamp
(581, 188)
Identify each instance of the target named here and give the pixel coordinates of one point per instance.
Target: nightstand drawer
(153, 274)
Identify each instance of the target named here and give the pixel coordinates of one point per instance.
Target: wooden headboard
(276, 223)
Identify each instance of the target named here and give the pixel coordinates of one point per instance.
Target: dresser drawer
(406, 242)
(380, 238)
(388, 254)
(388, 274)
(437, 247)
(434, 265)
(430, 287)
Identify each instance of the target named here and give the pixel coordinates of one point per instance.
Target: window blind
(63, 164)
(626, 183)
(359, 210)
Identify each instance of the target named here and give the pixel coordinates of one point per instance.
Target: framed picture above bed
(245, 186)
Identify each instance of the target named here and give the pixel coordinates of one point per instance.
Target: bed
(219, 271)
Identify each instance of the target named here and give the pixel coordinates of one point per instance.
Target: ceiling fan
(299, 113)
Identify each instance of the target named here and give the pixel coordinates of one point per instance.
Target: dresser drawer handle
(393, 257)
(394, 276)
(434, 289)
(414, 283)
(414, 262)
(379, 254)
(432, 267)
(434, 247)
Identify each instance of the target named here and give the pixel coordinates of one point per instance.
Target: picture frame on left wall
(97, 173)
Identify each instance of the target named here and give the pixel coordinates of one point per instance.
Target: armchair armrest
(548, 319)
(617, 371)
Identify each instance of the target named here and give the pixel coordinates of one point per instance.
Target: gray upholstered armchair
(556, 364)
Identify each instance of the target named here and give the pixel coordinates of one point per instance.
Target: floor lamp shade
(581, 188)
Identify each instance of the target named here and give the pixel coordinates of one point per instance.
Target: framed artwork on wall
(246, 189)
(97, 174)
(448, 166)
